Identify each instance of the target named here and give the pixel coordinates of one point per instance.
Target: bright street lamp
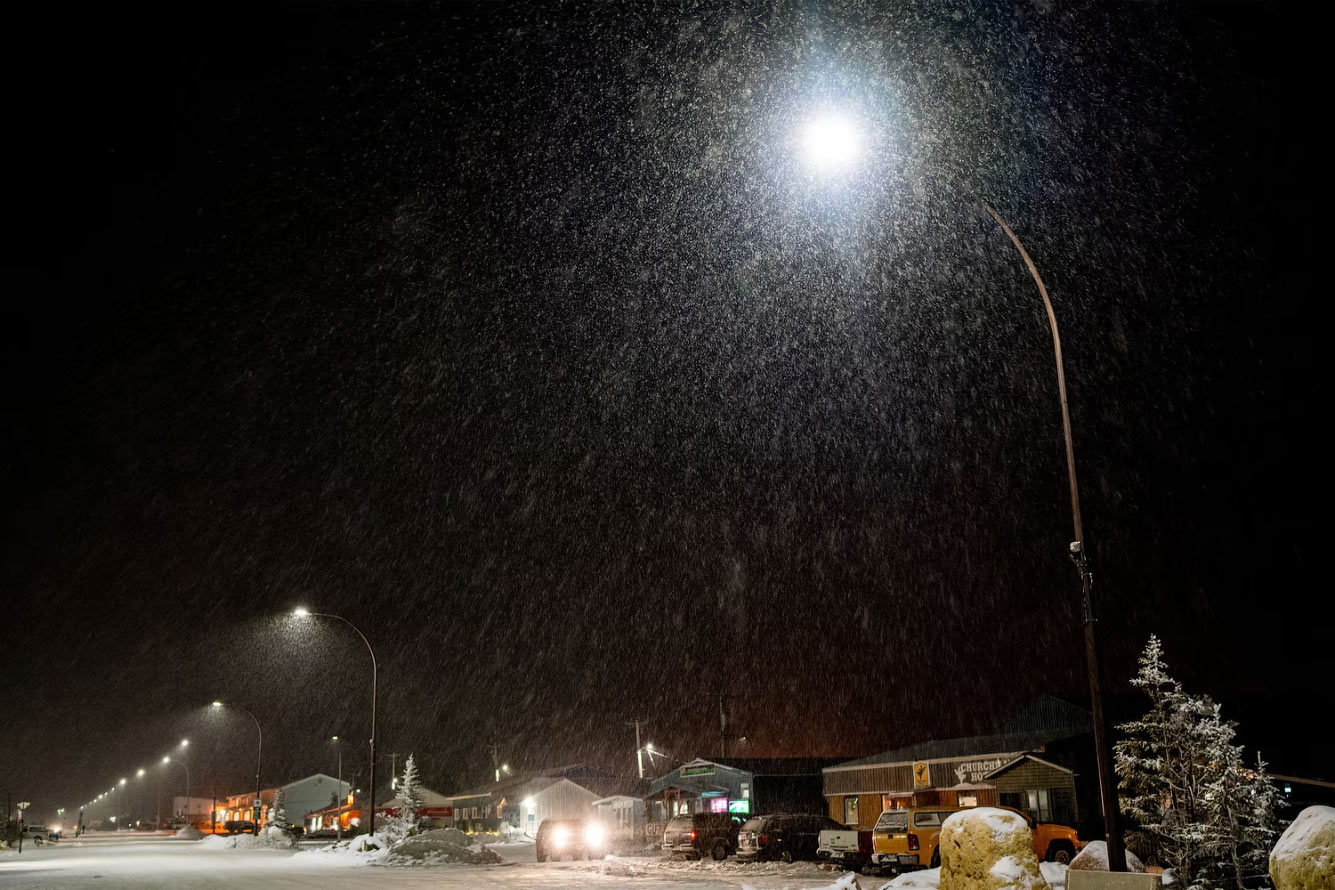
(303, 612)
(832, 142)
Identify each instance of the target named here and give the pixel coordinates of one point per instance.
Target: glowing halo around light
(831, 142)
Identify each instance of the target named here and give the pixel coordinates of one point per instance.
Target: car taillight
(763, 839)
(913, 842)
(692, 834)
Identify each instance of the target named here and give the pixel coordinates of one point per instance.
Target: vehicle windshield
(892, 821)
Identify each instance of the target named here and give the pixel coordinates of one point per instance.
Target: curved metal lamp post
(832, 142)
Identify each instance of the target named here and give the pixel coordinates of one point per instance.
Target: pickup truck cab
(907, 839)
(904, 840)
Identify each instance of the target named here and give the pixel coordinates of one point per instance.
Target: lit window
(850, 811)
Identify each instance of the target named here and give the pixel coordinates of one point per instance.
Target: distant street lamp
(259, 754)
(831, 142)
(181, 764)
(302, 612)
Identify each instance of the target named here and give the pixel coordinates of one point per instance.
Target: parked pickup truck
(847, 846)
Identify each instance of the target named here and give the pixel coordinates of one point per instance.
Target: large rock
(1094, 857)
(1304, 858)
(984, 848)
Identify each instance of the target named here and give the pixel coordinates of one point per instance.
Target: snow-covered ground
(163, 862)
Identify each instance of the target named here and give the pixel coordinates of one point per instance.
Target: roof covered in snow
(1045, 720)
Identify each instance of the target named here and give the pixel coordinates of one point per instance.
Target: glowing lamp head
(185, 743)
(166, 760)
(217, 704)
(831, 143)
(123, 781)
(301, 612)
(140, 773)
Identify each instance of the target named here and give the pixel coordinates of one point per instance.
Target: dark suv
(701, 834)
(786, 836)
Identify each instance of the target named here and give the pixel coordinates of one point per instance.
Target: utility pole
(338, 814)
(639, 750)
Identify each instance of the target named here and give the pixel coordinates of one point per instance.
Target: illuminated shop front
(742, 786)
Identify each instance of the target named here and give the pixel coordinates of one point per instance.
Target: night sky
(523, 339)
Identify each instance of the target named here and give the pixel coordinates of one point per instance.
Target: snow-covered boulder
(1304, 858)
(984, 848)
(1094, 857)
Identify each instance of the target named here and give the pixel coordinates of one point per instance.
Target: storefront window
(1039, 807)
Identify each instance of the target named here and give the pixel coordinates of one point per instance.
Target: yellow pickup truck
(907, 839)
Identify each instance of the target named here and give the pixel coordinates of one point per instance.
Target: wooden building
(1039, 761)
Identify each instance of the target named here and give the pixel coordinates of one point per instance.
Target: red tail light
(913, 842)
(692, 834)
(763, 839)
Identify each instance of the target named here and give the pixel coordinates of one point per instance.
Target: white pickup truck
(848, 847)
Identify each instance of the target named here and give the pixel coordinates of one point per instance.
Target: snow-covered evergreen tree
(1184, 783)
(410, 794)
(278, 812)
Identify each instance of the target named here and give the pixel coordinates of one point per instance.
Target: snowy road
(185, 865)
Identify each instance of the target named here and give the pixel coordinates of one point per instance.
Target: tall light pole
(181, 764)
(301, 612)
(832, 142)
(259, 754)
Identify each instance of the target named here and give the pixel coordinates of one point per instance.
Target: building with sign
(741, 785)
(436, 811)
(1040, 761)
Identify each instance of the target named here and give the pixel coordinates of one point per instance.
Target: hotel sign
(973, 770)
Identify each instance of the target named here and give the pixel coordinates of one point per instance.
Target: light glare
(831, 142)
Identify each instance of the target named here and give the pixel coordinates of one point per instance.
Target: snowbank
(442, 846)
(1304, 858)
(190, 833)
(270, 839)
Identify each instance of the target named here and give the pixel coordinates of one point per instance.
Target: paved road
(127, 860)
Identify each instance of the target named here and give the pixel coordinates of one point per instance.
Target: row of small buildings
(1040, 761)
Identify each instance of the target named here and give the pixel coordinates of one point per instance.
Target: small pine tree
(278, 812)
(410, 795)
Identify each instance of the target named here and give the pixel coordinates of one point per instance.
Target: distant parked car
(238, 826)
(39, 834)
(702, 834)
(575, 838)
(786, 836)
